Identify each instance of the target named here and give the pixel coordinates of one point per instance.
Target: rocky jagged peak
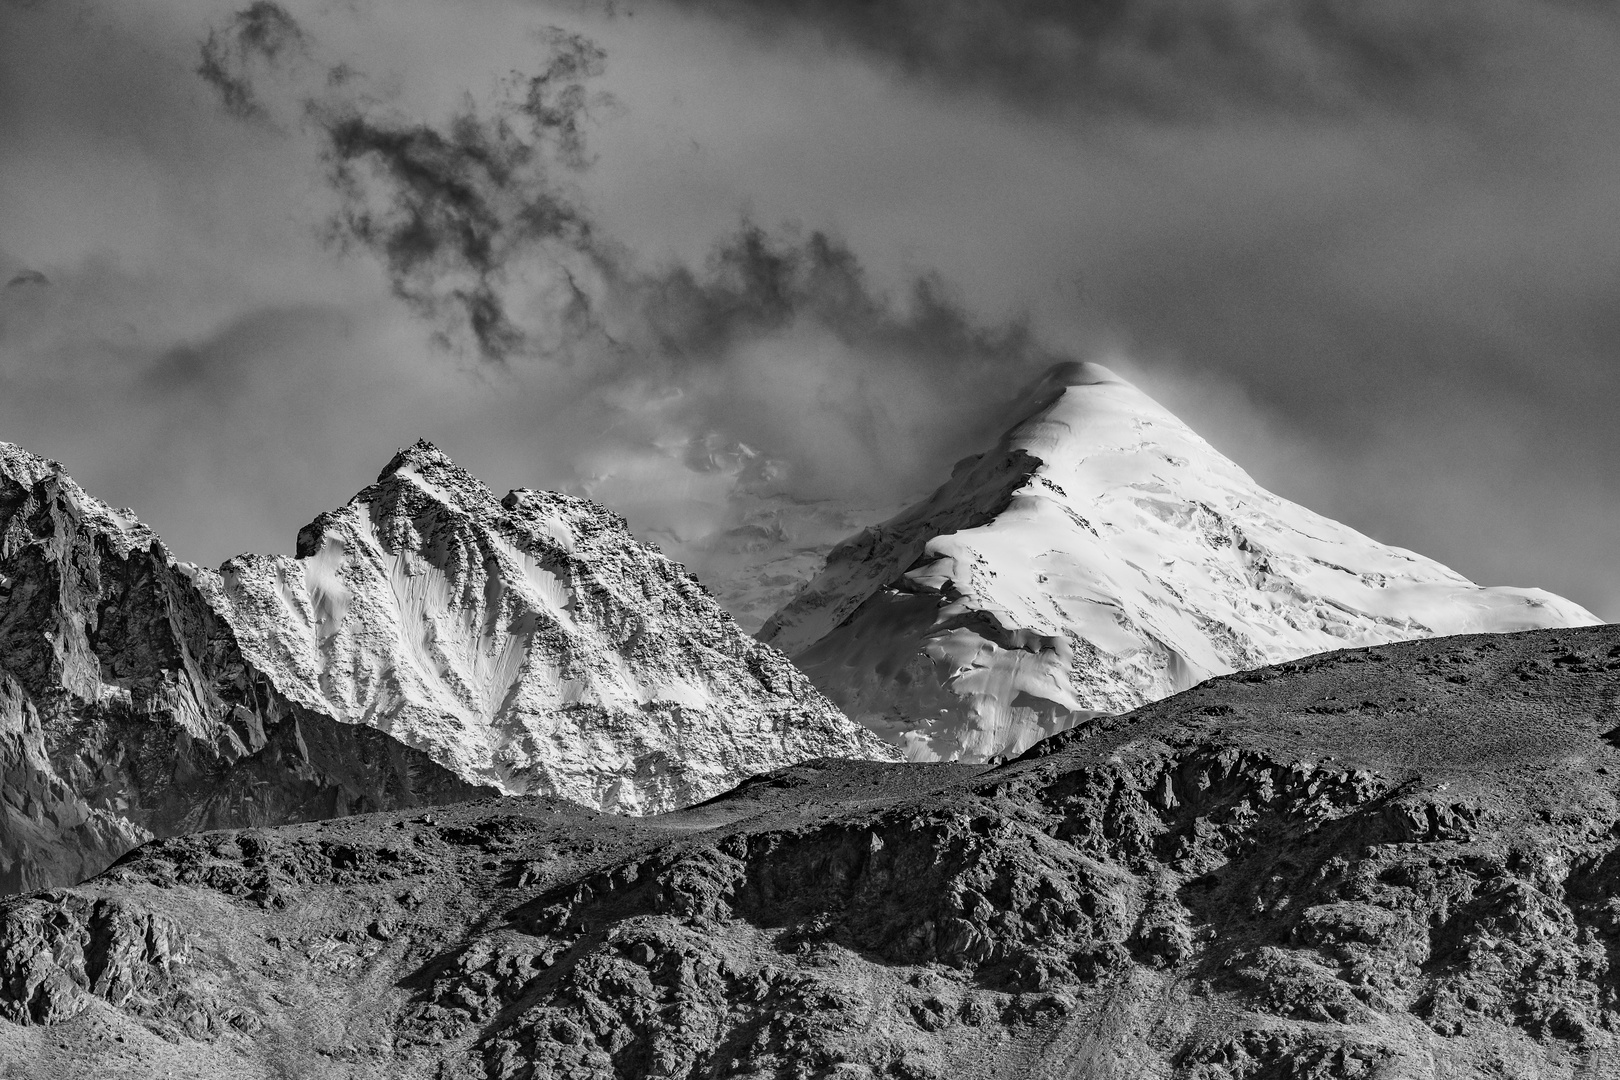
(530, 642)
(421, 454)
(33, 485)
(23, 468)
(430, 471)
(419, 490)
(126, 709)
(426, 461)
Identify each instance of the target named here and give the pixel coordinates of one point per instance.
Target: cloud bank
(1365, 248)
(776, 350)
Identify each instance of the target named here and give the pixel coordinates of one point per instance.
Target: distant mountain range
(429, 643)
(656, 849)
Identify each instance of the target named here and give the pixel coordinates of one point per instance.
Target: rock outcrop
(127, 710)
(1380, 863)
(1101, 556)
(527, 642)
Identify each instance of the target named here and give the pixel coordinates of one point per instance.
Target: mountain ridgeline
(431, 643)
(127, 709)
(483, 787)
(527, 642)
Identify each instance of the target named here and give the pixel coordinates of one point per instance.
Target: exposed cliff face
(528, 642)
(1381, 863)
(127, 711)
(1101, 556)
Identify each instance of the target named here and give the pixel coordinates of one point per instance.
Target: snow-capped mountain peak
(529, 642)
(1102, 555)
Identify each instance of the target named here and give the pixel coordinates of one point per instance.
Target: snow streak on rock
(528, 642)
(1101, 556)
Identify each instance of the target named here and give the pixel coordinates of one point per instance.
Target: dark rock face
(127, 710)
(1385, 863)
(56, 947)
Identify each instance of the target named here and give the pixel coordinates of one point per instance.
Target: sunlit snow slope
(1102, 555)
(528, 642)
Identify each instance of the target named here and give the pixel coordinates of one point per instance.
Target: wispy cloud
(261, 35)
(1164, 58)
(480, 223)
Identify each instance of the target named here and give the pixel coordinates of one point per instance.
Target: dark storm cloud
(480, 224)
(458, 212)
(262, 34)
(903, 385)
(479, 239)
(1164, 56)
(448, 208)
(758, 282)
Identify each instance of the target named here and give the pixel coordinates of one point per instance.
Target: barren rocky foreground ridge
(1394, 862)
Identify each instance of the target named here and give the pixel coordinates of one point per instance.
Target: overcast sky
(685, 254)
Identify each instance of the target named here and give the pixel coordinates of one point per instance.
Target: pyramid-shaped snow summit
(1100, 556)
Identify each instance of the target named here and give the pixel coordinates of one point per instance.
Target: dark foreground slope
(1399, 862)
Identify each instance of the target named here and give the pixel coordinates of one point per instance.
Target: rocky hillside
(527, 642)
(128, 711)
(1101, 556)
(1381, 863)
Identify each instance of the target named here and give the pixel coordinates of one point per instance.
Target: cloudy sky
(710, 260)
